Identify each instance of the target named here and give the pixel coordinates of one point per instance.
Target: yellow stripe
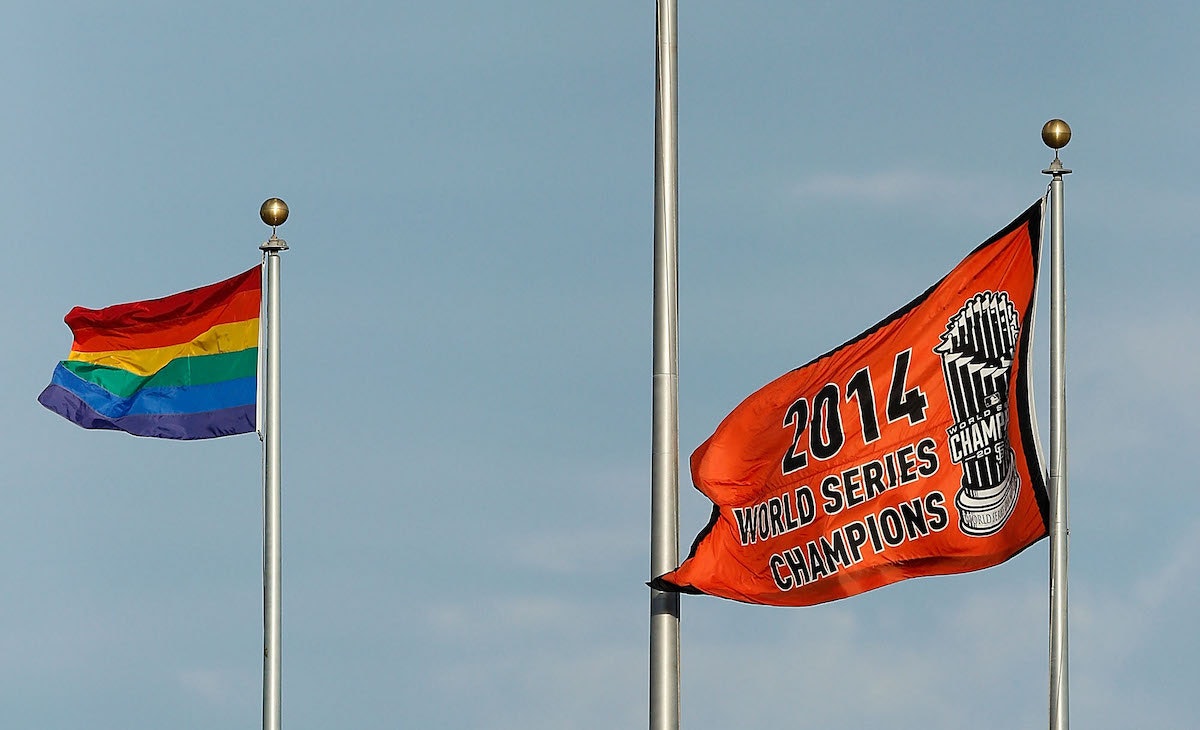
(233, 337)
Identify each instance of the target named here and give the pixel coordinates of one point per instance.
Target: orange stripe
(233, 337)
(244, 305)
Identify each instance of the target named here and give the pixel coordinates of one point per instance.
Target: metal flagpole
(664, 477)
(1056, 134)
(273, 212)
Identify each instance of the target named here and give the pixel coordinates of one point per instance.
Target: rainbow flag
(181, 367)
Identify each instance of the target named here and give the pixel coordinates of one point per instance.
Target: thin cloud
(491, 616)
(212, 686)
(907, 187)
(1114, 347)
(1139, 611)
(571, 552)
(576, 687)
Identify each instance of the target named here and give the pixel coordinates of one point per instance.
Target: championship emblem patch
(977, 351)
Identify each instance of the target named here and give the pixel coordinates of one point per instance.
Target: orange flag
(909, 451)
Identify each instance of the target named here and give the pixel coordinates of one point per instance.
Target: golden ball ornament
(1056, 133)
(273, 212)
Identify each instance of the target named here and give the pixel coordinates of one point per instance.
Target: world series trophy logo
(977, 352)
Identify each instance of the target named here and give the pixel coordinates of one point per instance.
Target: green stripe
(199, 370)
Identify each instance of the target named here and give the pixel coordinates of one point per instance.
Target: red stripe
(171, 320)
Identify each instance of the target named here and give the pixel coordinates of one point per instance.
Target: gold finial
(273, 212)
(1055, 133)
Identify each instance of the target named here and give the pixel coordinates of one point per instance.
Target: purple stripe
(185, 426)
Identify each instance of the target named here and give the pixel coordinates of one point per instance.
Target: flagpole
(664, 477)
(1056, 134)
(273, 212)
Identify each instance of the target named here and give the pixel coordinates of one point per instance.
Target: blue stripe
(159, 401)
(210, 424)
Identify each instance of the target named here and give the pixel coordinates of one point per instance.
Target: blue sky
(467, 350)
